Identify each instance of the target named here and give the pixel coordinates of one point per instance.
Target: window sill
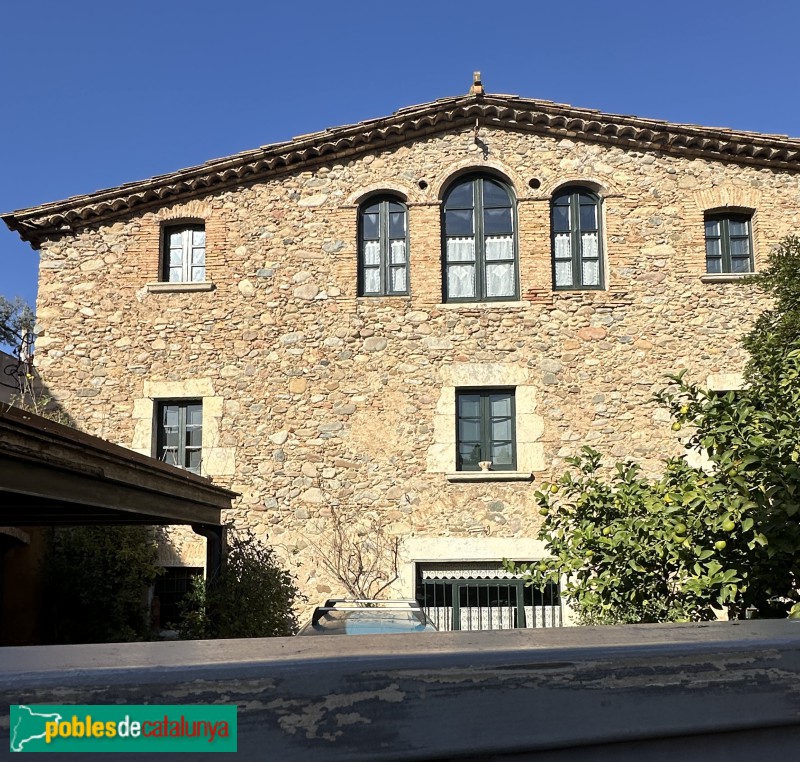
(379, 297)
(483, 305)
(724, 277)
(490, 476)
(163, 287)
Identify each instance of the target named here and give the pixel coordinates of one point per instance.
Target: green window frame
(479, 246)
(383, 248)
(729, 243)
(486, 429)
(184, 253)
(577, 241)
(179, 433)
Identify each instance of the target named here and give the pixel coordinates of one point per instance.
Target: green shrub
(253, 597)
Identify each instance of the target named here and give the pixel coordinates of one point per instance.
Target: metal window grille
(487, 604)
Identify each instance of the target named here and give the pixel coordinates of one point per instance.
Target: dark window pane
(740, 247)
(461, 197)
(713, 247)
(458, 222)
(370, 226)
(497, 221)
(171, 456)
(171, 437)
(194, 437)
(469, 455)
(501, 429)
(170, 415)
(738, 227)
(500, 404)
(502, 454)
(193, 460)
(495, 194)
(588, 217)
(740, 265)
(397, 225)
(712, 228)
(469, 405)
(561, 219)
(373, 208)
(714, 265)
(469, 430)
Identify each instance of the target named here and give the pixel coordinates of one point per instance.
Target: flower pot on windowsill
(486, 465)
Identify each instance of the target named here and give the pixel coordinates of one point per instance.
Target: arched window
(382, 247)
(577, 249)
(479, 258)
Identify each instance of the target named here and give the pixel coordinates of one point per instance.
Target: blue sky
(102, 93)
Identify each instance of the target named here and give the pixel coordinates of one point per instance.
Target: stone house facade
(356, 318)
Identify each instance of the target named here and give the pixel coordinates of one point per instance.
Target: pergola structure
(54, 475)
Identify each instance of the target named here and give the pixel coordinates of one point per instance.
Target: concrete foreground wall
(721, 691)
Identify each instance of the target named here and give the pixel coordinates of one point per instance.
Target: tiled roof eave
(504, 112)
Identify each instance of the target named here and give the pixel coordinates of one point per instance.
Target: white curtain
(372, 280)
(589, 245)
(591, 268)
(563, 257)
(460, 249)
(591, 273)
(461, 278)
(398, 275)
(500, 279)
(372, 252)
(500, 247)
(397, 252)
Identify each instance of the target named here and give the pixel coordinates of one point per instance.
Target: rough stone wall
(324, 399)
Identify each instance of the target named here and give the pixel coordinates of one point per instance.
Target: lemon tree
(638, 550)
(693, 542)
